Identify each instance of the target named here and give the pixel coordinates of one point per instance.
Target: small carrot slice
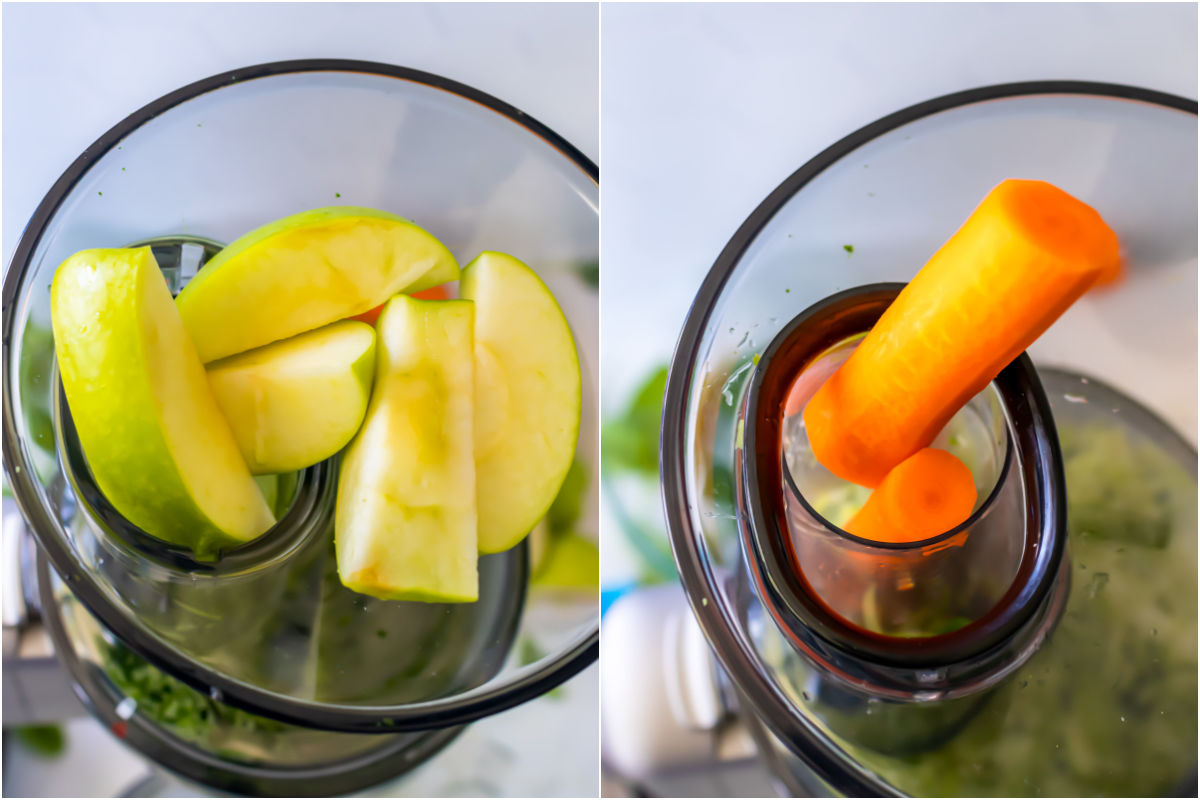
(927, 494)
(439, 292)
(369, 317)
(1019, 261)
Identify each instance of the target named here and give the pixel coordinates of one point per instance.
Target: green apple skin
(405, 525)
(155, 441)
(295, 403)
(269, 486)
(528, 397)
(305, 271)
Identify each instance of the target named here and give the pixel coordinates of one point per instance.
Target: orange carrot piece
(440, 292)
(927, 494)
(369, 317)
(1111, 277)
(1019, 261)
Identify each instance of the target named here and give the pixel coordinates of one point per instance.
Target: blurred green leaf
(630, 441)
(572, 563)
(590, 272)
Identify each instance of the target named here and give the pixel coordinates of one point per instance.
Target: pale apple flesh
(528, 397)
(305, 271)
(155, 441)
(297, 402)
(405, 524)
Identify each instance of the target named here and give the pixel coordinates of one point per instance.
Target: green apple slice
(305, 271)
(294, 403)
(155, 440)
(405, 524)
(527, 397)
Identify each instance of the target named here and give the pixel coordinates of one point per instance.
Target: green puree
(1108, 706)
(175, 705)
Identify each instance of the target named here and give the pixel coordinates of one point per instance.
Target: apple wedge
(527, 397)
(405, 519)
(295, 403)
(305, 271)
(155, 441)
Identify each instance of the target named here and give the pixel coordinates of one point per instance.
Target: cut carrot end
(1111, 277)
(926, 495)
(1064, 226)
(1019, 261)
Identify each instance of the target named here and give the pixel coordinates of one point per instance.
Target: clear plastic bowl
(267, 630)
(871, 209)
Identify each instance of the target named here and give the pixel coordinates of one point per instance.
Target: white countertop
(71, 71)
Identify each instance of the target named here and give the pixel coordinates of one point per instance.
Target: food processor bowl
(1093, 679)
(267, 631)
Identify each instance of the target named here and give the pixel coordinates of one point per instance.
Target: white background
(71, 71)
(707, 108)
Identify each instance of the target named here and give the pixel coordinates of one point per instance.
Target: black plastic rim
(475, 704)
(763, 513)
(756, 386)
(767, 700)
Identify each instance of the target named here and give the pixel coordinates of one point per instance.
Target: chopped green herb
(172, 703)
(528, 651)
(47, 741)
(849, 248)
(337, 194)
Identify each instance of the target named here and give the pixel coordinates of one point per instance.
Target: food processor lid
(285, 639)
(872, 208)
